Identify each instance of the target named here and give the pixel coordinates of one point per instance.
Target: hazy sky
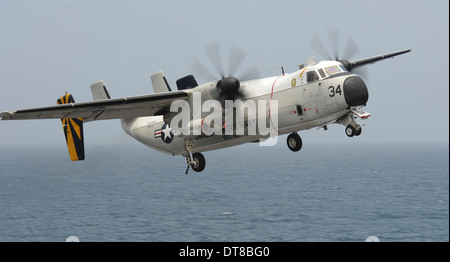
(48, 47)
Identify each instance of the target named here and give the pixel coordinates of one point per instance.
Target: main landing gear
(294, 142)
(198, 162)
(195, 160)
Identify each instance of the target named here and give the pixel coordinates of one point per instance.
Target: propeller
(228, 85)
(350, 50)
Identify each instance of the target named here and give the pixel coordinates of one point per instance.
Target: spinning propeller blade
(235, 60)
(227, 84)
(213, 53)
(350, 48)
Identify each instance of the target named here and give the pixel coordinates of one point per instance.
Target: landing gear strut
(195, 160)
(294, 142)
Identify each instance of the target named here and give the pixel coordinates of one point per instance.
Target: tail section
(159, 83)
(99, 91)
(73, 130)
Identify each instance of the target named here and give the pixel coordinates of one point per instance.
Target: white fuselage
(302, 104)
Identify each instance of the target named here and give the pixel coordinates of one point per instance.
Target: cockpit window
(312, 76)
(331, 70)
(322, 73)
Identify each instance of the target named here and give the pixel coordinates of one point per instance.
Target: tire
(358, 130)
(198, 162)
(350, 131)
(294, 142)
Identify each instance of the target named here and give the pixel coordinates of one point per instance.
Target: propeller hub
(229, 85)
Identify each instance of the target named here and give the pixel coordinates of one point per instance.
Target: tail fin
(99, 91)
(73, 130)
(159, 83)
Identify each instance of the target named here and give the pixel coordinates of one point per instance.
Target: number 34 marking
(334, 91)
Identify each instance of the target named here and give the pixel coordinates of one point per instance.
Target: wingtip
(6, 115)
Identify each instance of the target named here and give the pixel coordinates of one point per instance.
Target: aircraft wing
(118, 108)
(350, 65)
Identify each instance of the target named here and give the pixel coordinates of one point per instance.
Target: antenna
(282, 70)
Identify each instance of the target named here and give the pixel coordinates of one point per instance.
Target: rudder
(73, 131)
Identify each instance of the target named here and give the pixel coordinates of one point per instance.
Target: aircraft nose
(355, 91)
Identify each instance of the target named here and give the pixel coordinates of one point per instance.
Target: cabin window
(312, 76)
(322, 73)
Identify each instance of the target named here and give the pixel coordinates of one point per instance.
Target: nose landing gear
(353, 130)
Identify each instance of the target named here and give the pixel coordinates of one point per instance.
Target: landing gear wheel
(350, 131)
(358, 130)
(198, 162)
(294, 142)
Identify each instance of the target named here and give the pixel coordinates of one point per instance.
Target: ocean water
(127, 192)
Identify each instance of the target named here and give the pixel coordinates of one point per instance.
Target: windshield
(331, 70)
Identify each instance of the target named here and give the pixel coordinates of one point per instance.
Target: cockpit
(324, 72)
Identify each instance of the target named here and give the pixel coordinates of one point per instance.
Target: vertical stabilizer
(73, 130)
(159, 83)
(99, 91)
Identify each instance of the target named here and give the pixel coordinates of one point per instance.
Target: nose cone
(355, 91)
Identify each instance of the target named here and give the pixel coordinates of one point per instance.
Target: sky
(48, 47)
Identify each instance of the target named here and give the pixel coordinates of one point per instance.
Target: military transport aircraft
(318, 94)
